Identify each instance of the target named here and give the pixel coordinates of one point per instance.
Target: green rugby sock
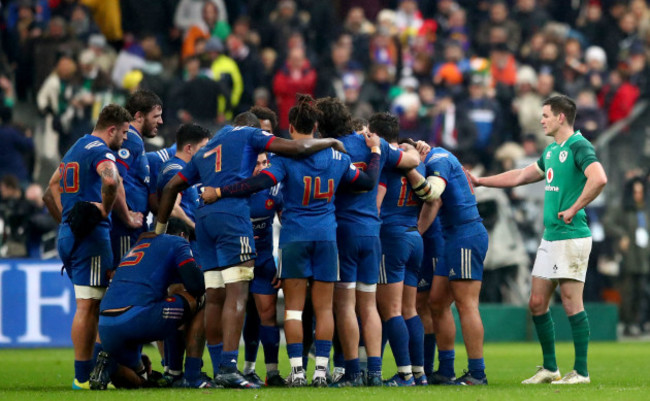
(580, 329)
(546, 335)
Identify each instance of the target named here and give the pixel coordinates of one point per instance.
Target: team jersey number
(405, 196)
(217, 163)
(69, 177)
(306, 196)
(360, 165)
(134, 256)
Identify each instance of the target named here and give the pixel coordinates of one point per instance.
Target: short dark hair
(385, 125)
(175, 226)
(264, 113)
(246, 119)
(358, 123)
(112, 115)
(10, 181)
(562, 104)
(304, 116)
(142, 101)
(190, 133)
(335, 120)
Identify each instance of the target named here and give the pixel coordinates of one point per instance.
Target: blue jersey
(308, 187)
(143, 275)
(190, 196)
(458, 200)
(264, 205)
(156, 160)
(400, 206)
(79, 179)
(134, 168)
(357, 211)
(229, 157)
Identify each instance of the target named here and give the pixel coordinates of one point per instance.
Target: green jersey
(564, 165)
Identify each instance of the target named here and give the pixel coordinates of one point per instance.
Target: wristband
(217, 190)
(375, 149)
(161, 228)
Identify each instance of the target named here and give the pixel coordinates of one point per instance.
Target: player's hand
(474, 179)
(276, 282)
(423, 148)
(100, 206)
(135, 219)
(209, 195)
(338, 145)
(407, 145)
(567, 215)
(372, 140)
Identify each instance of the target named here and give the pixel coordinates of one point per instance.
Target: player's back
(358, 210)
(400, 206)
(156, 160)
(458, 199)
(308, 188)
(190, 196)
(79, 179)
(145, 272)
(229, 157)
(135, 171)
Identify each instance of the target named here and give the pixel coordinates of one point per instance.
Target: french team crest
(269, 204)
(124, 153)
(563, 156)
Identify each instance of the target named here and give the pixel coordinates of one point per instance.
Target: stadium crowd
(469, 76)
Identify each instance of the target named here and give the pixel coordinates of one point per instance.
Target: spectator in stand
(250, 67)
(190, 13)
(22, 28)
(225, 70)
(530, 52)
(283, 22)
(527, 102)
(374, 89)
(498, 17)
(590, 120)
(38, 221)
(361, 30)
(210, 26)
(296, 76)
(17, 148)
(592, 24)
(619, 38)
(596, 60)
(530, 17)
(108, 16)
(618, 96)
(639, 70)
(331, 72)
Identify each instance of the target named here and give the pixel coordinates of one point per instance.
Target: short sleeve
(383, 179)
(167, 174)
(393, 154)
(439, 166)
(190, 173)
(183, 252)
(261, 140)
(100, 155)
(583, 154)
(129, 153)
(277, 170)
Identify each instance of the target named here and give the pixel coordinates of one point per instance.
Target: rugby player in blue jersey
(146, 109)
(156, 160)
(189, 139)
(308, 236)
(459, 279)
(360, 251)
(144, 304)
(401, 246)
(88, 173)
(224, 232)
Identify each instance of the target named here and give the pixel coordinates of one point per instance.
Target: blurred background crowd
(468, 75)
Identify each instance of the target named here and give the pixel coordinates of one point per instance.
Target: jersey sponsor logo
(563, 156)
(549, 178)
(93, 144)
(269, 204)
(110, 156)
(124, 153)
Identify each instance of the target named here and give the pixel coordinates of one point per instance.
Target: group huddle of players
(361, 250)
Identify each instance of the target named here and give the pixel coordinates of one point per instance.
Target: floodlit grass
(618, 372)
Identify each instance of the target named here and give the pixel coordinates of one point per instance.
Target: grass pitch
(619, 371)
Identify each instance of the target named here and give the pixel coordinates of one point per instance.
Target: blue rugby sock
(397, 333)
(429, 352)
(270, 337)
(215, 356)
(416, 343)
(446, 363)
(82, 370)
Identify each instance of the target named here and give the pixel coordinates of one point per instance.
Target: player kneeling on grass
(138, 309)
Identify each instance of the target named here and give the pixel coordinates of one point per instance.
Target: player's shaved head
(335, 120)
(247, 119)
(385, 125)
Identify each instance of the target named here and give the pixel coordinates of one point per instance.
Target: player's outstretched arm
(241, 189)
(52, 196)
(167, 201)
(596, 181)
(512, 178)
(304, 147)
(410, 157)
